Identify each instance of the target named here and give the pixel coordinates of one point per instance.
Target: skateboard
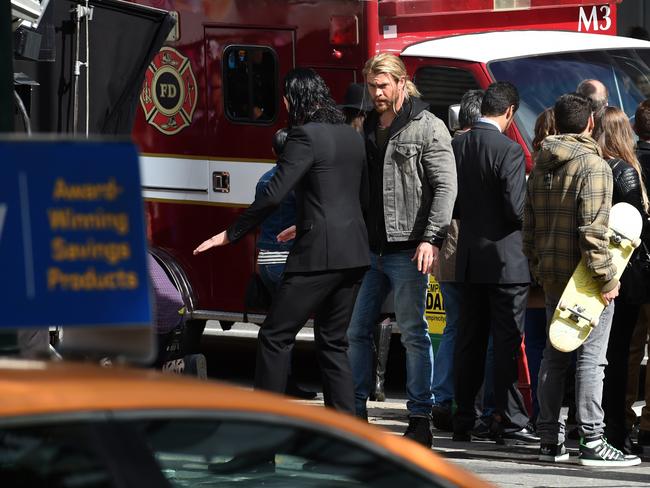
(580, 306)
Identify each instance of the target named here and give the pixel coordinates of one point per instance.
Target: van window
(542, 79)
(443, 86)
(250, 77)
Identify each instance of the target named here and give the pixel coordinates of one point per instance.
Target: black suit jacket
(325, 165)
(490, 206)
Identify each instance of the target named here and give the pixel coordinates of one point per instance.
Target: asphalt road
(232, 359)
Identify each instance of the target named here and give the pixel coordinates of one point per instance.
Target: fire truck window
(250, 88)
(441, 87)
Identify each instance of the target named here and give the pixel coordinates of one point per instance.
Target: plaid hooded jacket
(568, 199)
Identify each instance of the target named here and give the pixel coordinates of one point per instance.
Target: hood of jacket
(557, 150)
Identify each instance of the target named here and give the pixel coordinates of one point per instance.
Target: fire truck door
(244, 68)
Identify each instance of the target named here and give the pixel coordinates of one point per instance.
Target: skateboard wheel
(636, 243)
(593, 322)
(562, 305)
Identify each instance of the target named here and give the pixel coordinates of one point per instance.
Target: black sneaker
(525, 435)
(485, 430)
(420, 430)
(603, 454)
(553, 453)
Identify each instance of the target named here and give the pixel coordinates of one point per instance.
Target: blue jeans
(443, 374)
(271, 275)
(393, 271)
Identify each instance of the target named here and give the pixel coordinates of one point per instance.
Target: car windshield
(542, 79)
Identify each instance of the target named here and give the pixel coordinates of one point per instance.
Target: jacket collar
(412, 109)
(486, 125)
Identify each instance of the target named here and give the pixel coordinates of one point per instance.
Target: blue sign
(72, 240)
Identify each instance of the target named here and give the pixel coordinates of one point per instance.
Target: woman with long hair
(323, 162)
(544, 127)
(615, 137)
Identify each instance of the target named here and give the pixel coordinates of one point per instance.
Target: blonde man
(412, 176)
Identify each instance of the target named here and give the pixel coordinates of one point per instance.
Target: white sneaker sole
(554, 459)
(602, 463)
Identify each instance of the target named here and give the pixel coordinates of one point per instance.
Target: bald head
(596, 92)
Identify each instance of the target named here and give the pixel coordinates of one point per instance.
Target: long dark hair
(616, 138)
(544, 126)
(309, 99)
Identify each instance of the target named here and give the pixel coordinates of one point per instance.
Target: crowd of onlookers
(374, 195)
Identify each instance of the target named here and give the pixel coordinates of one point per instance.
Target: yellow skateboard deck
(581, 304)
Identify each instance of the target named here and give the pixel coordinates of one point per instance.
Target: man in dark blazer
(491, 266)
(323, 161)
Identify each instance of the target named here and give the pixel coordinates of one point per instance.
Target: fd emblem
(168, 95)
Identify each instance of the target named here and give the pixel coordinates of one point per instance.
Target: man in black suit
(491, 265)
(323, 161)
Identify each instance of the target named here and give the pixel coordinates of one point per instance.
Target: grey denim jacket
(419, 180)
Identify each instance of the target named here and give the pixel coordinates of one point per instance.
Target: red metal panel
(593, 18)
(402, 8)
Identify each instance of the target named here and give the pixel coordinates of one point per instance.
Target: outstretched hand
(220, 239)
(287, 234)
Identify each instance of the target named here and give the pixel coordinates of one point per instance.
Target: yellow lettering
(67, 219)
(108, 191)
(91, 280)
(110, 252)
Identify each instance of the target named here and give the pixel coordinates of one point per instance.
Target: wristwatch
(435, 241)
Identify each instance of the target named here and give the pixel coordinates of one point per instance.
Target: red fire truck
(211, 100)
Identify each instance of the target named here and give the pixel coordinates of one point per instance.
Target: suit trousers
(330, 297)
(497, 310)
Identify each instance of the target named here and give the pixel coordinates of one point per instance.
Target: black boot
(384, 332)
(420, 430)
(294, 390)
